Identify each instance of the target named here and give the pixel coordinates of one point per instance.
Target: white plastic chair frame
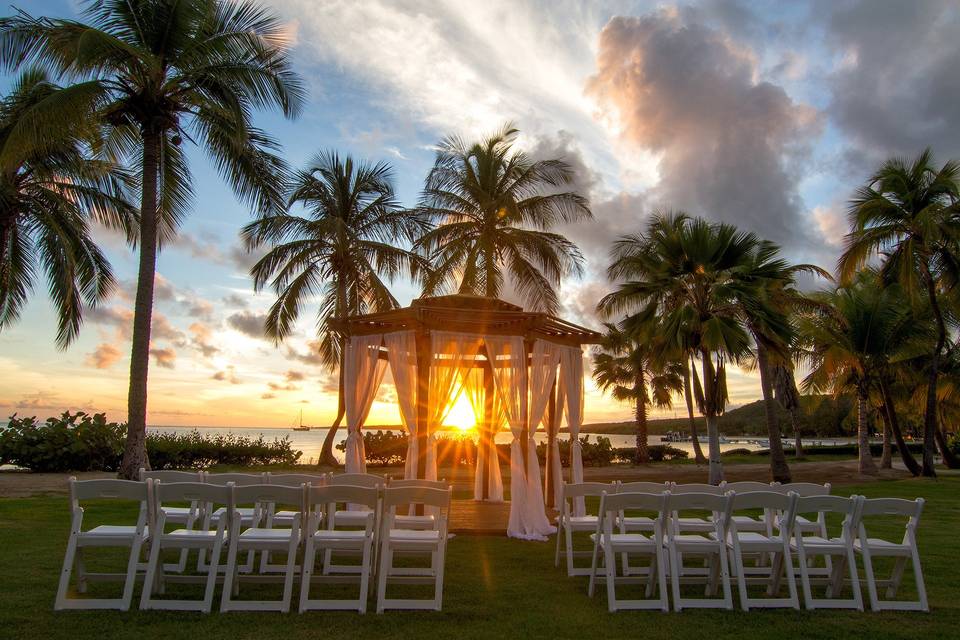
(906, 549)
(611, 544)
(745, 543)
(323, 500)
(808, 547)
(710, 546)
(284, 518)
(207, 496)
(265, 539)
(187, 516)
(633, 523)
(432, 541)
(693, 524)
(568, 524)
(246, 514)
(133, 537)
(411, 520)
(351, 515)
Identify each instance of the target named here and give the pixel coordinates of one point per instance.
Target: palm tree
(786, 393)
(626, 363)
(341, 250)
(686, 271)
(494, 207)
(850, 343)
(50, 188)
(687, 364)
(908, 213)
(170, 70)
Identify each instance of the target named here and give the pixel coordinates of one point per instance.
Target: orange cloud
(165, 358)
(104, 356)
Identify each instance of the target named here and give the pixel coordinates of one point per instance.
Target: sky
(766, 115)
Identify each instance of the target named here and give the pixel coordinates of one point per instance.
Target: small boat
(301, 426)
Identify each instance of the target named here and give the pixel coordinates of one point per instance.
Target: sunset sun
(461, 415)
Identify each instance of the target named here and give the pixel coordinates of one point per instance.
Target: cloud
(234, 300)
(268, 396)
(201, 339)
(311, 357)
(831, 222)
(248, 323)
(895, 87)
(730, 146)
(280, 386)
(118, 317)
(104, 356)
(165, 358)
(294, 376)
(227, 375)
(162, 329)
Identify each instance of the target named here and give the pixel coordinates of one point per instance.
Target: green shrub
(737, 452)
(382, 448)
(661, 452)
(81, 442)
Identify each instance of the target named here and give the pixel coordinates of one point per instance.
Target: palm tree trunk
(797, 439)
(643, 450)
(886, 458)
(710, 407)
(326, 451)
(698, 456)
(135, 449)
(867, 465)
(891, 412)
(779, 469)
(930, 415)
(949, 459)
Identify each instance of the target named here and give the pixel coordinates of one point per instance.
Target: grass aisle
(496, 588)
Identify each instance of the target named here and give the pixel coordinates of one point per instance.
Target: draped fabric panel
(363, 372)
(453, 359)
(486, 459)
(402, 356)
(570, 389)
(544, 360)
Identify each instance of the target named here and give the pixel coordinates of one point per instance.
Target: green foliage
(382, 448)
(658, 453)
(83, 442)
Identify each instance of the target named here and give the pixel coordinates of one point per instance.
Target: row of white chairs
(279, 514)
(792, 524)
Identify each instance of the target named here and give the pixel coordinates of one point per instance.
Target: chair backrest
(259, 495)
(296, 479)
(416, 482)
(614, 503)
(804, 489)
(595, 489)
(238, 479)
(319, 497)
(679, 503)
(716, 490)
(357, 479)
(427, 496)
(771, 502)
(108, 489)
(890, 508)
(643, 487)
(193, 492)
(172, 476)
(745, 486)
(823, 504)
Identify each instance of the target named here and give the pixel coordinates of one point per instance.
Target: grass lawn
(495, 588)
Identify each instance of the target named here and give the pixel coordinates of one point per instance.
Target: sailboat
(302, 427)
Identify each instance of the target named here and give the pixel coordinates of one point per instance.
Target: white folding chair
(187, 516)
(708, 545)
(569, 524)
(765, 521)
(211, 520)
(743, 544)
(322, 501)
(607, 544)
(633, 523)
(126, 536)
(284, 518)
(208, 496)
(811, 546)
(411, 520)
(906, 549)
(265, 539)
(351, 515)
(690, 523)
(432, 541)
(804, 525)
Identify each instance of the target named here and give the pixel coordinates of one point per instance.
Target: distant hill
(822, 415)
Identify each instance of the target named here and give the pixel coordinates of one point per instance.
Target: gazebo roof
(467, 314)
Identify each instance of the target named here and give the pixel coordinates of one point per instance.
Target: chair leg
(150, 580)
(81, 570)
(556, 557)
(791, 576)
(131, 578)
(662, 579)
(741, 577)
(610, 564)
(438, 572)
(871, 578)
(593, 566)
(309, 557)
(365, 571)
(386, 560)
(896, 577)
(918, 578)
(851, 562)
(229, 575)
(569, 540)
(291, 568)
(66, 571)
(212, 575)
(675, 570)
(725, 577)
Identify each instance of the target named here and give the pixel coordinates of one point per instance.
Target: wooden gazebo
(487, 320)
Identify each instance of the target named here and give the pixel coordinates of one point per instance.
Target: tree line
(102, 109)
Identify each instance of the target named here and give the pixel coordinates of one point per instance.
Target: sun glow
(461, 415)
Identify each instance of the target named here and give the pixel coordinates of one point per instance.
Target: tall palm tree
(494, 207)
(686, 358)
(341, 251)
(687, 271)
(786, 393)
(908, 213)
(850, 342)
(170, 70)
(50, 188)
(626, 363)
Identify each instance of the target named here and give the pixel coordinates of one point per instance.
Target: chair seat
(347, 518)
(193, 533)
(245, 513)
(582, 523)
(813, 543)
(883, 547)
(414, 522)
(625, 540)
(257, 534)
(694, 524)
(751, 540)
(414, 535)
(339, 534)
(692, 539)
(178, 514)
(113, 531)
(747, 523)
(637, 522)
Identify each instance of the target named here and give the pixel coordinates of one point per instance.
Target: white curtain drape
(402, 355)
(363, 371)
(476, 394)
(544, 360)
(453, 359)
(570, 389)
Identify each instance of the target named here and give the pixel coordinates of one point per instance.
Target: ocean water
(311, 442)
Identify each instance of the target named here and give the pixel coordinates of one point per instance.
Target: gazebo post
(551, 438)
(486, 446)
(424, 358)
(525, 409)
